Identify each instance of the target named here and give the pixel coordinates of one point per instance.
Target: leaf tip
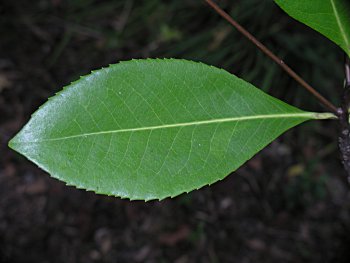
(13, 143)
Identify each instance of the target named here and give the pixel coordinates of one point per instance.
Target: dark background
(290, 203)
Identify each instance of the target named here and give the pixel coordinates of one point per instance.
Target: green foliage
(150, 129)
(329, 17)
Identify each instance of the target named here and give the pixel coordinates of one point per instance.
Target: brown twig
(274, 57)
(344, 137)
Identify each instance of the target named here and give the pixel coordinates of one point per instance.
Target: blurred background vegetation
(288, 203)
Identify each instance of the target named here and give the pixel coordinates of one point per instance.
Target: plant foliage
(151, 129)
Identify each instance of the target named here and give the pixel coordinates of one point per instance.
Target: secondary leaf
(150, 129)
(329, 17)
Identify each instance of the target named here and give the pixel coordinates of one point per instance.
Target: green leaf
(150, 129)
(329, 17)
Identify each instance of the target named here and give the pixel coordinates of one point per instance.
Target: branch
(344, 137)
(274, 57)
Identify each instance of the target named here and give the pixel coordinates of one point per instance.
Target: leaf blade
(329, 17)
(150, 129)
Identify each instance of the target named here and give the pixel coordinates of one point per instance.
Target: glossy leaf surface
(329, 17)
(150, 129)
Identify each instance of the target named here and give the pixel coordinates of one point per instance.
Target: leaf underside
(151, 129)
(329, 17)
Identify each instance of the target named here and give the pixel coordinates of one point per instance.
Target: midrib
(306, 115)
